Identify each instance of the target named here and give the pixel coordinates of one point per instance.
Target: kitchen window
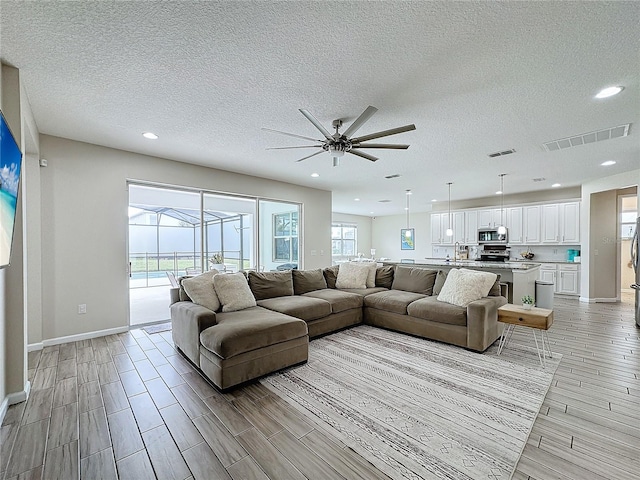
(343, 241)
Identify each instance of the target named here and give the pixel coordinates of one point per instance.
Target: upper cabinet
(561, 223)
(513, 217)
(471, 227)
(489, 218)
(531, 224)
(459, 233)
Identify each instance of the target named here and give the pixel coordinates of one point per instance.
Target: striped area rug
(420, 409)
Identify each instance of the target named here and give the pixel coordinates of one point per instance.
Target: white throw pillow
(201, 291)
(233, 291)
(353, 275)
(370, 267)
(464, 286)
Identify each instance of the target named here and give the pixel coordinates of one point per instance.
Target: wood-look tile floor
(129, 406)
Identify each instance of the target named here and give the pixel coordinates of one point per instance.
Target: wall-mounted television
(10, 163)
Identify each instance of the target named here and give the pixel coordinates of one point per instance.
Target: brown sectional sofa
(293, 306)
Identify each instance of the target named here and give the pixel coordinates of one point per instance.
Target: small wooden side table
(536, 319)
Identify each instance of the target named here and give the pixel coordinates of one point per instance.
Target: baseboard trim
(14, 398)
(599, 300)
(74, 338)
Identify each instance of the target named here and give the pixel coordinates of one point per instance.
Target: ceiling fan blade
(380, 145)
(309, 156)
(363, 155)
(384, 133)
(300, 146)
(291, 134)
(316, 123)
(358, 122)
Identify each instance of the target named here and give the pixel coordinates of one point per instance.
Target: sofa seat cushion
(395, 301)
(364, 291)
(430, 308)
(338, 299)
(250, 329)
(299, 306)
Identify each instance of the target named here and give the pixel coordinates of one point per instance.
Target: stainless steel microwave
(491, 236)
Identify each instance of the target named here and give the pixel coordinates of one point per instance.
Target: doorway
(628, 212)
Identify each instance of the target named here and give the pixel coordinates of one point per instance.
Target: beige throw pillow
(233, 292)
(201, 291)
(352, 275)
(371, 272)
(464, 286)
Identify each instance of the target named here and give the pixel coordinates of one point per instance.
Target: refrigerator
(635, 252)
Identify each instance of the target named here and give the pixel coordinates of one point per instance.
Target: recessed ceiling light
(609, 92)
(315, 175)
(150, 136)
(356, 199)
(555, 185)
(499, 192)
(406, 208)
(608, 163)
(434, 199)
(409, 192)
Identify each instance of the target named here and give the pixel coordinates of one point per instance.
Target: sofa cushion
(250, 329)
(395, 301)
(430, 308)
(331, 275)
(384, 276)
(352, 275)
(305, 308)
(270, 284)
(416, 280)
(308, 280)
(182, 293)
(200, 290)
(441, 277)
(364, 291)
(463, 286)
(233, 291)
(339, 299)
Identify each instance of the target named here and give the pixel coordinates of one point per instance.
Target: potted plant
(527, 302)
(217, 261)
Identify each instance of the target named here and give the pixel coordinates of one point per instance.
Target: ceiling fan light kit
(337, 144)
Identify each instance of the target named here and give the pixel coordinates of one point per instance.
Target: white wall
(364, 240)
(386, 236)
(84, 224)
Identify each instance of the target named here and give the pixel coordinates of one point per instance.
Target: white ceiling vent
(591, 137)
(501, 153)
(539, 179)
(384, 201)
(395, 175)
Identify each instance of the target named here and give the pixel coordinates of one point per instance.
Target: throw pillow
(371, 272)
(351, 275)
(200, 290)
(416, 280)
(265, 285)
(305, 281)
(233, 292)
(464, 286)
(441, 277)
(330, 275)
(384, 276)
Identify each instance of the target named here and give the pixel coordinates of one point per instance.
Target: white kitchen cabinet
(513, 217)
(471, 227)
(550, 223)
(568, 279)
(489, 218)
(436, 228)
(531, 224)
(569, 223)
(548, 274)
(458, 227)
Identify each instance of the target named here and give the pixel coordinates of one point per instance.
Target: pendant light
(450, 230)
(407, 232)
(502, 229)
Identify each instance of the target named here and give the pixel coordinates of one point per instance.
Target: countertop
(439, 262)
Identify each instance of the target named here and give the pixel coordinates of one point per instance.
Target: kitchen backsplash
(542, 253)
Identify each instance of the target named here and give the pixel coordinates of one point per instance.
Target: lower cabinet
(565, 277)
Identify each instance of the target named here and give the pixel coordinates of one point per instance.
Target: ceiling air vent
(591, 137)
(500, 154)
(384, 201)
(539, 179)
(395, 175)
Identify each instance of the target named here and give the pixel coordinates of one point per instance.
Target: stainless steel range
(494, 253)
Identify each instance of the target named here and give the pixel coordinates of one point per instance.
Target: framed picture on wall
(407, 239)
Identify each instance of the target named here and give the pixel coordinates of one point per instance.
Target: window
(343, 241)
(285, 237)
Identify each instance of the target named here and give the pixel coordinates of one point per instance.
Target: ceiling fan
(338, 144)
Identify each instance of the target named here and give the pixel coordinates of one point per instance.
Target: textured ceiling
(474, 77)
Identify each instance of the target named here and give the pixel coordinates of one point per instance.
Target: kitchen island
(519, 276)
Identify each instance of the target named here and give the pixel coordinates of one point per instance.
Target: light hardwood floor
(129, 406)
